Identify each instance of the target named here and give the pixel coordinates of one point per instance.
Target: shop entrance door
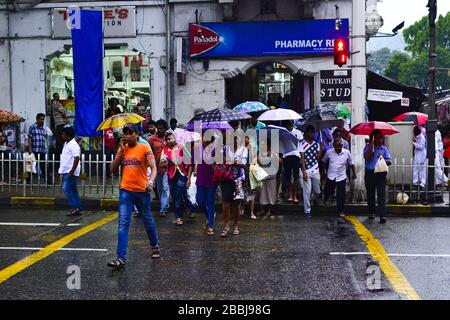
(272, 83)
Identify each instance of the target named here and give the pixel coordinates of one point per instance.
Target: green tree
(396, 64)
(413, 69)
(378, 60)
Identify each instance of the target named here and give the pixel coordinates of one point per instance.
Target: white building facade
(35, 56)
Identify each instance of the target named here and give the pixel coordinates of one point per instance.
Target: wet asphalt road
(282, 257)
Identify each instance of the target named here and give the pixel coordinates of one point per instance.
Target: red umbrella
(366, 128)
(417, 117)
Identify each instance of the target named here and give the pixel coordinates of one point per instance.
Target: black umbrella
(219, 115)
(321, 117)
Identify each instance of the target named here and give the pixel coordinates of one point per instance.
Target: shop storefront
(274, 53)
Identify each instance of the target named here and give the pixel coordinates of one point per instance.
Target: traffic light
(340, 52)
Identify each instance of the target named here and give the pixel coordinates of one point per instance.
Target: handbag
(222, 172)
(259, 173)
(253, 182)
(30, 162)
(381, 165)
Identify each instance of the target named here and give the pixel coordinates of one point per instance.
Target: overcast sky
(396, 11)
(410, 11)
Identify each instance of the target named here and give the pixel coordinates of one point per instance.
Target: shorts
(291, 167)
(227, 188)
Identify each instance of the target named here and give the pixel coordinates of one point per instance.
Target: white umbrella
(279, 114)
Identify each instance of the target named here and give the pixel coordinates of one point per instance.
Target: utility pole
(359, 76)
(169, 61)
(432, 122)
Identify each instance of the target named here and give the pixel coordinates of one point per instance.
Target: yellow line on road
(21, 265)
(394, 275)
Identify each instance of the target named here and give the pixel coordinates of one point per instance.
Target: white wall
(202, 89)
(34, 44)
(5, 101)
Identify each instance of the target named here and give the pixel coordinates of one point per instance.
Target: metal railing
(41, 178)
(96, 181)
(400, 179)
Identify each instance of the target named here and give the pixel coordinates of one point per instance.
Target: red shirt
(158, 144)
(175, 158)
(110, 143)
(446, 147)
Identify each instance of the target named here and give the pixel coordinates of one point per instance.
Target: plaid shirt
(38, 137)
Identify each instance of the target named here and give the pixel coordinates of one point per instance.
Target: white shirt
(337, 169)
(299, 135)
(439, 145)
(176, 131)
(420, 153)
(240, 156)
(70, 150)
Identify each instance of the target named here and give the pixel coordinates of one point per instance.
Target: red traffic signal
(340, 52)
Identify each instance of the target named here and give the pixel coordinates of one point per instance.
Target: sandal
(156, 253)
(210, 232)
(224, 232)
(74, 212)
(117, 263)
(235, 231)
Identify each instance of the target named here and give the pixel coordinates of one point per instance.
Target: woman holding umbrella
(376, 181)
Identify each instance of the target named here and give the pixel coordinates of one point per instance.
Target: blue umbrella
(251, 106)
(209, 125)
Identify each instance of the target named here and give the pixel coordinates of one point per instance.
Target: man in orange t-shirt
(135, 189)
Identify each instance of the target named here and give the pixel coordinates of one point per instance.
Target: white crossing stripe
(30, 224)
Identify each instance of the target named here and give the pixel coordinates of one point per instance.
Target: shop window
(135, 71)
(117, 70)
(268, 7)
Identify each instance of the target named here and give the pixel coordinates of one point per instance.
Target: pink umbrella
(184, 136)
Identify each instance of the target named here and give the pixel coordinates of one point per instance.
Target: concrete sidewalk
(408, 210)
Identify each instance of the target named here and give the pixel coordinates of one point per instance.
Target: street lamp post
(431, 123)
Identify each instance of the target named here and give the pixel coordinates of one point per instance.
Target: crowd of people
(152, 161)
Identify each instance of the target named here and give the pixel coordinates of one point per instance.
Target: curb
(288, 209)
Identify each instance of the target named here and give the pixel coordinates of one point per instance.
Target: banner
(87, 43)
(118, 22)
(243, 39)
(384, 95)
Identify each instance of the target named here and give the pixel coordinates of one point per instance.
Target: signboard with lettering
(405, 102)
(384, 95)
(268, 38)
(118, 22)
(336, 85)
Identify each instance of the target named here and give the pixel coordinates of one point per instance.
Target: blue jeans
(177, 188)
(127, 200)
(162, 187)
(71, 191)
(206, 202)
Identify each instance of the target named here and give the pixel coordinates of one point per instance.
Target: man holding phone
(135, 188)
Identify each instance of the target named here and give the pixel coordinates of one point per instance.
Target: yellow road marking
(21, 265)
(45, 201)
(394, 275)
